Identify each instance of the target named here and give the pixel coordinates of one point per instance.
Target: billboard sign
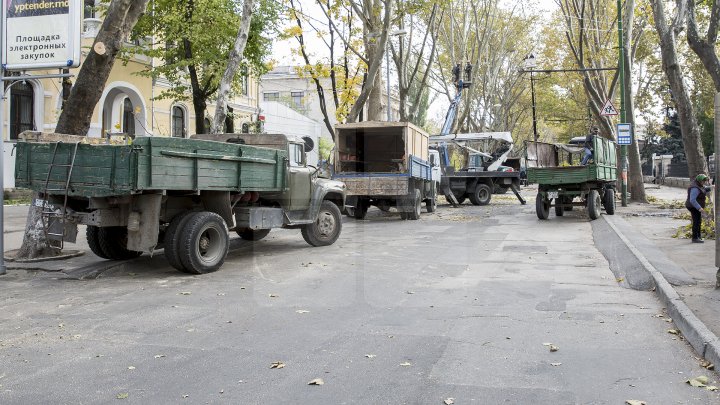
(41, 34)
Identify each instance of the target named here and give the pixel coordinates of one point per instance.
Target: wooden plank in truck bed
(375, 185)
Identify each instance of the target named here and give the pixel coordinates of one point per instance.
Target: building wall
(281, 119)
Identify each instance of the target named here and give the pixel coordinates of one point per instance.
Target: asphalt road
(459, 304)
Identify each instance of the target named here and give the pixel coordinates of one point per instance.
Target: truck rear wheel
(113, 243)
(609, 201)
(172, 240)
(481, 195)
(542, 207)
(252, 234)
(361, 209)
(593, 204)
(326, 228)
(92, 234)
(559, 210)
(416, 206)
(204, 243)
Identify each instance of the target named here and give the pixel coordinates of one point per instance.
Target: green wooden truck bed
(149, 163)
(549, 169)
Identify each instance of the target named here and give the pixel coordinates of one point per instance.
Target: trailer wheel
(361, 209)
(542, 207)
(92, 234)
(172, 240)
(568, 200)
(481, 195)
(113, 242)
(326, 228)
(609, 201)
(252, 234)
(416, 206)
(593, 204)
(559, 210)
(203, 242)
(430, 204)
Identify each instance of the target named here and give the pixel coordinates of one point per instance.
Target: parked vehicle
(563, 183)
(180, 194)
(385, 164)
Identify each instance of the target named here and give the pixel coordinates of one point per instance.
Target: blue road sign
(624, 132)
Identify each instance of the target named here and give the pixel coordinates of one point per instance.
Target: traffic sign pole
(623, 118)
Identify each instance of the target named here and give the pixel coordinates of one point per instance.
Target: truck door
(300, 178)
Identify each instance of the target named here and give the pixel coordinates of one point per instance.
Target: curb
(702, 339)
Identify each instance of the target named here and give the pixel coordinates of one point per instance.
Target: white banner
(41, 34)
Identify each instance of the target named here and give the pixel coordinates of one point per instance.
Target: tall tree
(705, 47)
(667, 32)
(232, 67)
(121, 17)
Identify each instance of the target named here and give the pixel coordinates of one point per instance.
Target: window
(296, 155)
(21, 109)
(128, 117)
(297, 98)
(178, 122)
(229, 126)
(273, 96)
(89, 11)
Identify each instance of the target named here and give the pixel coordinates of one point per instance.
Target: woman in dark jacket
(695, 203)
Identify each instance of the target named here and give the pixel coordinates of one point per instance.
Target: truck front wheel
(204, 243)
(542, 207)
(326, 228)
(593, 204)
(482, 195)
(416, 208)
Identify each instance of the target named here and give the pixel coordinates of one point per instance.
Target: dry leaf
(406, 364)
(706, 364)
(449, 401)
(157, 356)
(131, 368)
(635, 402)
(700, 381)
(369, 356)
(277, 364)
(711, 388)
(555, 364)
(272, 295)
(317, 381)
(547, 344)
(185, 293)
(620, 280)
(185, 395)
(302, 311)
(673, 331)
(554, 348)
(123, 395)
(410, 292)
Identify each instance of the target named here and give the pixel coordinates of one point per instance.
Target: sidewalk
(684, 272)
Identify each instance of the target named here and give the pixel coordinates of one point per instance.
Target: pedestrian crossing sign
(608, 109)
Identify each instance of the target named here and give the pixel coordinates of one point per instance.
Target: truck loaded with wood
(180, 194)
(385, 164)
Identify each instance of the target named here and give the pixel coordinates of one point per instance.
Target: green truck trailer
(180, 194)
(564, 183)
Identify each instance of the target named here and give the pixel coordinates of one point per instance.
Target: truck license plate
(552, 194)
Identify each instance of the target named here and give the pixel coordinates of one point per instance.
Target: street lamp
(398, 33)
(530, 62)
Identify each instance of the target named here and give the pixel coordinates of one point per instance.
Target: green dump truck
(563, 183)
(180, 194)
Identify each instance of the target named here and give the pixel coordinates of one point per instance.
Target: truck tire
(326, 228)
(568, 200)
(459, 197)
(92, 234)
(609, 201)
(204, 242)
(481, 195)
(113, 243)
(416, 206)
(172, 240)
(361, 209)
(542, 207)
(430, 205)
(593, 204)
(559, 210)
(252, 234)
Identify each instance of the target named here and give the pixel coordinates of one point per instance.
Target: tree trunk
(34, 242)
(688, 123)
(636, 184)
(375, 98)
(705, 49)
(233, 64)
(120, 19)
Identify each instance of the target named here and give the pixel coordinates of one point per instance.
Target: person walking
(695, 203)
(588, 151)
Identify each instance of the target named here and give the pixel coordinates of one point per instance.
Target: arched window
(21, 109)
(178, 122)
(128, 117)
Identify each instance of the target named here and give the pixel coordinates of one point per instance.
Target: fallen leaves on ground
(406, 364)
(369, 356)
(157, 356)
(317, 381)
(272, 295)
(277, 364)
(302, 311)
(700, 381)
(555, 364)
(122, 395)
(185, 293)
(707, 364)
(449, 401)
(551, 346)
(673, 331)
(635, 402)
(131, 367)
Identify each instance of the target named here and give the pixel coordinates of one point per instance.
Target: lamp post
(530, 63)
(398, 33)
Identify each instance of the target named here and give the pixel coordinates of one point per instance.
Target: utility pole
(623, 113)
